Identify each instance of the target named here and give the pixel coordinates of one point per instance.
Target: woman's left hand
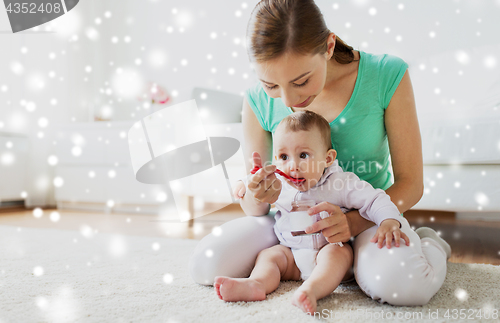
(335, 227)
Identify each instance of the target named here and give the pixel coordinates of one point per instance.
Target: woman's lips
(303, 104)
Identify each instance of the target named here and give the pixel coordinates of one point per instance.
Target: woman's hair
(306, 121)
(297, 26)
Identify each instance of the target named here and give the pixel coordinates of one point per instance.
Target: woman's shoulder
(384, 62)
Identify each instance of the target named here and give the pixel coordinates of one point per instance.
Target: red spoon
(277, 171)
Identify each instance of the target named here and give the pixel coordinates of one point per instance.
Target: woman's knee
(233, 250)
(393, 275)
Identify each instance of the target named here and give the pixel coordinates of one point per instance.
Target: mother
(368, 100)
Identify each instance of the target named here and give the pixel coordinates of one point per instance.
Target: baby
(302, 150)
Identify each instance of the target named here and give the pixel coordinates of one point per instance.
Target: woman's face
(296, 79)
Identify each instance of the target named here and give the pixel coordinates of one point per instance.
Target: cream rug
(49, 275)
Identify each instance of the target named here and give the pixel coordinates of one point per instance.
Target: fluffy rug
(49, 275)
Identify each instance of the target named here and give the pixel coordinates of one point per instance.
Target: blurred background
(71, 89)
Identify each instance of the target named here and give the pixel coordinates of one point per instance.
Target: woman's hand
(239, 190)
(335, 228)
(264, 185)
(386, 231)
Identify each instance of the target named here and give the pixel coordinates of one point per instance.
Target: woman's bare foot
(239, 289)
(305, 300)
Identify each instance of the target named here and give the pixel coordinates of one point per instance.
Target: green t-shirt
(358, 133)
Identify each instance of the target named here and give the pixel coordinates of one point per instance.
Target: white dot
(91, 174)
(161, 197)
(42, 302)
(43, 122)
(30, 106)
(387, 30)
(217, 231)
(111, 173)
(481, 199)
(53, 101)
(401, 6)
(184, 62)
(421, 67)
(107, 14)
(348, 25)
(213, 35)
(58, 182)
(97, 21)
(114, 39)
(168, 278)
(76, 151)
(156, 246)
(55, 216)
(52, 55)
(24, 50)
(461, 294)
(437, 90)
(372, 11)
(209, 253)
(432, 34)
(209, 56)
(462, 57)
(38, 271)
(174, 11)
(231, 71)
(395, 295)
(110, 203)
(4, 88)
(335, 6)
(88, 69)
(24, 194)
(52, 160)
(399, 38)
(457, 184)
(490, 61)
(37, 212)
(127, 39)
(138, 61)
(238, 13)
(203, 96)
(377, 277)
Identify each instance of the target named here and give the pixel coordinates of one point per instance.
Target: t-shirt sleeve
(257, 98)
(392, 69)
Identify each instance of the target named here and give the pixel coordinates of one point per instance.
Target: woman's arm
(405, 145)
(257, 140)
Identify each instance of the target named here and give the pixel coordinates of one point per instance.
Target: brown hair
(305, 121)
(297, 26)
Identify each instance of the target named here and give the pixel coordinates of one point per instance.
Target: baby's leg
(272, 265)
(332, 265)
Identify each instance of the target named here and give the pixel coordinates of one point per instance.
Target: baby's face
(301, 155)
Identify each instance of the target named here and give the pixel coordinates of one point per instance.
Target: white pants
(399, 276)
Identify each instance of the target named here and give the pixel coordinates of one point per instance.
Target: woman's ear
(331, 154)
(332, 39)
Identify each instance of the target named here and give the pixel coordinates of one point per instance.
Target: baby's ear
(331, 154)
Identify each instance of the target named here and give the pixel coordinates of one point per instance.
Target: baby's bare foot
(239, 289)
(305, 300)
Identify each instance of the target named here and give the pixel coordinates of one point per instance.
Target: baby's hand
(239, 190)
(387, 230)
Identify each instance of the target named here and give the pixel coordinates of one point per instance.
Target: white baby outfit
(337, 187)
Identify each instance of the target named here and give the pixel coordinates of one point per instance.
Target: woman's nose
(288, 98)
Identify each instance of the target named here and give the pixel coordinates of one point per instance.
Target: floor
(471, 241)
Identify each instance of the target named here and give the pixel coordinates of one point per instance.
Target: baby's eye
(304, 155)
(283, 157)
